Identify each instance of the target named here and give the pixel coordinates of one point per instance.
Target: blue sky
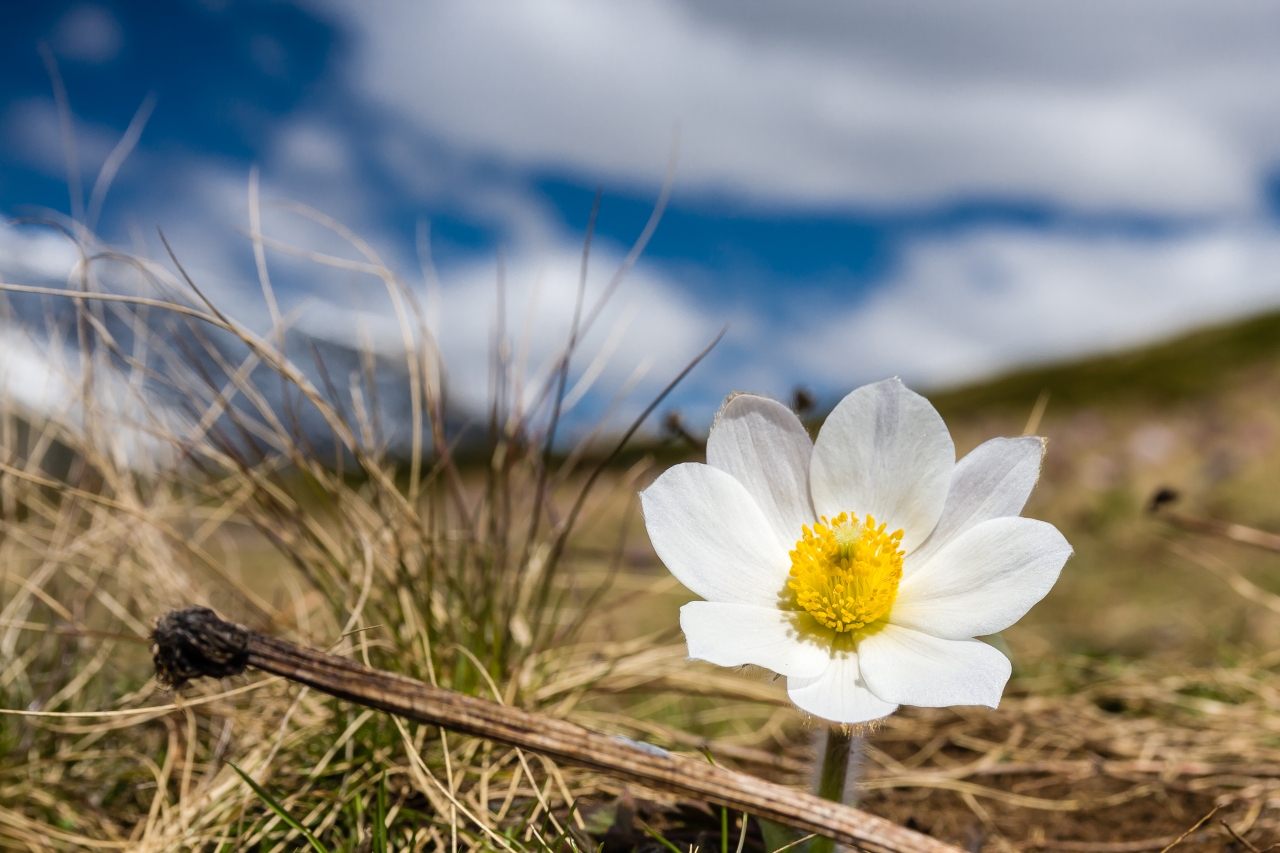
(890, 187)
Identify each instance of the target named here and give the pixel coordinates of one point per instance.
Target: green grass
(1172, 371)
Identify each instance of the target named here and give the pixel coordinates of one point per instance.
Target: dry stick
(1240, 839)
(1229, 530)
(1037, 413)
(1241, 585)
(194, 642)
(1144, 845)
(1190, 830)
(1252, 847)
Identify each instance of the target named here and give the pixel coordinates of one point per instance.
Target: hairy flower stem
(835, 768)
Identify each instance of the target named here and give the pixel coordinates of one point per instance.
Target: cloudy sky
(937, 191)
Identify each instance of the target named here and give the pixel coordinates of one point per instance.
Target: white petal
(993, 481)
(983, 581)
(765, 447)
(712, 536)
(737, 634)
(912, 668)
(884, 451)
(838, 694)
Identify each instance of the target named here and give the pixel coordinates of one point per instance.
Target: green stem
(835, 763)
(835, 768)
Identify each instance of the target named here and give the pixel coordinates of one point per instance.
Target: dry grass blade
(1141, 846)
(195, 459)
(185, 468)
(1201, 822)
(194, 643)
(1226, 529)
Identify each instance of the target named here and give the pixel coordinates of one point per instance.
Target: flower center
(846, 573)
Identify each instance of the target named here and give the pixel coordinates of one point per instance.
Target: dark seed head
(195, 643)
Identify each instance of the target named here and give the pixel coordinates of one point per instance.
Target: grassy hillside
(1200, 414)
(1181, 369)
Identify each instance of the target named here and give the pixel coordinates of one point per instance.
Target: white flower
(861, 566)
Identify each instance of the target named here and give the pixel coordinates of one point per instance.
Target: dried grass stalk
(194, 642)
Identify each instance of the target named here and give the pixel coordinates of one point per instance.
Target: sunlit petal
(765, 447)
(738, 634)
(993, 481)
(709, 532)
(913, 668)
(884, 451)
(984, 580)
(838, 694)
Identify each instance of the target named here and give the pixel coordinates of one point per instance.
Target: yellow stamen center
(845, 573)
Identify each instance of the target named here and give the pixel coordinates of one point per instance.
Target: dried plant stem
(1226, 529)
(194, 642)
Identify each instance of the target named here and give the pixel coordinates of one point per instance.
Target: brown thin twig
(1140, 846)
(1242, 586)
(194, 642)
(1158, 506)
(1253, 848)
(1192, 829)
(1230, 530)
(795, 843)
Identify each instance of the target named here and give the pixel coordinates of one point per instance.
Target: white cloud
(1162, 107)
(802, 110)
(41, 370)
(34, 136)
(313, 147)
(35, 255)
(648, 321)
(87, 33)
(40, 380)
(352, 309)
(970, 305)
